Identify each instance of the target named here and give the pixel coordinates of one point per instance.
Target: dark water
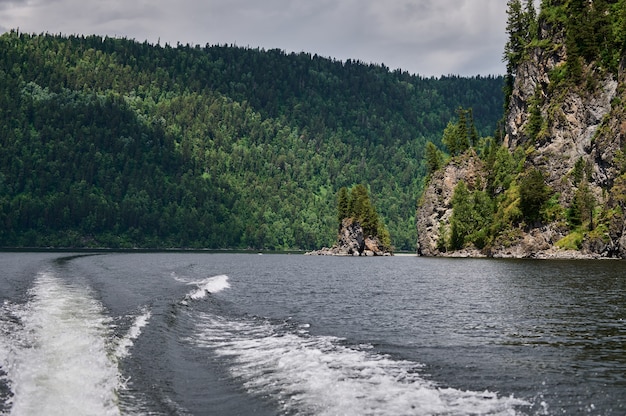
(243, 334)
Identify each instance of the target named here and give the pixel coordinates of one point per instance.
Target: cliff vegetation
(361, 230)
(552, 183)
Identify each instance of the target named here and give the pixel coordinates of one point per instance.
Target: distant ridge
(113, 143)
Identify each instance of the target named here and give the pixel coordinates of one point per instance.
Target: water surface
(233, 334)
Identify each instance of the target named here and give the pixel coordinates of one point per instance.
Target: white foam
(56, 357)
(213, 284)
(126, 342)
(176, 277)
(317, 375)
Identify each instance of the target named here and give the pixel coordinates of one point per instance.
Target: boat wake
(213, 284)
(321, 375)
(58, 352)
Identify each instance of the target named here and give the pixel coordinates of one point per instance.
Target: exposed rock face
(580, 124)
(352, 242)
(583, 123)
(572, 119)
(435, 211)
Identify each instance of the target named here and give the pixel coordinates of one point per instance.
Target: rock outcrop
(351, 241)
(576, 127)
(572, 118)
(433, 217)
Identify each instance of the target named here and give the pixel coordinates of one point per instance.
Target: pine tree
(473, 132)
(459, 222)
(450, 138)
(343, 204)
(462, 130)
(457, 137)
(433, 158)
(361, 209)
(582, 206)
(516, 28)
(531, 20)
(533, 194)
(521, 27)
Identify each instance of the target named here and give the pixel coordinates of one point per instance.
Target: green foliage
(502, 169)
(110, 142)
(521, 28)
(594, 32)
(343, 204)
(581, 209)
(442, 241)
(434, 158)
(507, 217)
(356, 204)
(618, 192)
(572, 241)
(535, 121)
(553, 211)
(460, 135)
(534, 193)
(582, 171)
(472, 214)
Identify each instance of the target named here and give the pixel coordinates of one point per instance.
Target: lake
(242, 334)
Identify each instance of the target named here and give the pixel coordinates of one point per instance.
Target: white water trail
(318, 375)
(125, 343)
(56, 359)
(213, 284)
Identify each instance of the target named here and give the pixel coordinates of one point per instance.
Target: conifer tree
(450, 138)
(462, 130)
(361, 209)
(473, 132)
(433, 158)
(459, 136)
(459, 222)
(531, 20)
(533, 194)
(516, 29)
(343, 204)
(521, 27)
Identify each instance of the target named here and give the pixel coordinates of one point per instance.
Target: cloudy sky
(427, 37)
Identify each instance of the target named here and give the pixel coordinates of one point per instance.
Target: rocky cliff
(435, 211)
(574, 134)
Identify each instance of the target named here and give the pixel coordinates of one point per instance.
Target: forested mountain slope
(556, 185)
(110, 142)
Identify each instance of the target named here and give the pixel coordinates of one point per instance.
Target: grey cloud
(430, 37)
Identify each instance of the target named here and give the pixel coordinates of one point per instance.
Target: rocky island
(361, 231)
(552, 183)
(351, 241)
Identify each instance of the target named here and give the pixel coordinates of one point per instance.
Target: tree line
(111, 142)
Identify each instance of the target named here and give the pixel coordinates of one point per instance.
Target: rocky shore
(351, 241)
(552, 253)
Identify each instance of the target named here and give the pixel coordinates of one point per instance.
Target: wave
(320, 375)
(126, 342)
(213, 284)
(54, 352)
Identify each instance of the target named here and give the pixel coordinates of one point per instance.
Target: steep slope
(110, 142)
(564, 135)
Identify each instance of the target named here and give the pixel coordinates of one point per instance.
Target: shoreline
(550, 254)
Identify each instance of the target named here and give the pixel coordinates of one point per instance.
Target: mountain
(109, 142)
(555, 186)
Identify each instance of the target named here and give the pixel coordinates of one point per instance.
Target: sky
(425, 37)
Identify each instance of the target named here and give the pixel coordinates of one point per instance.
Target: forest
(108, 142)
